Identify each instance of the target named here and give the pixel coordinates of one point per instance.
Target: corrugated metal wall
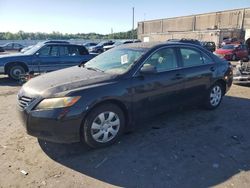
(232, 19)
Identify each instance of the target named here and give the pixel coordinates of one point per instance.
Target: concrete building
(214, 26)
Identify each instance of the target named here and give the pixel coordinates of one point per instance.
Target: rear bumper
(52, 125)
(243, 79)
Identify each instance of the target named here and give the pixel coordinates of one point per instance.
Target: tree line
(21, 35)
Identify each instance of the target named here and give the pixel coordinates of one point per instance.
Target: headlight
(57, 102)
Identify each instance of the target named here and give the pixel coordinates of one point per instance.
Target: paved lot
(190, 147)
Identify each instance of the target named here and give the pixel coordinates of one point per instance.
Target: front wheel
(15, 71)
(214, 96)
(103, 126)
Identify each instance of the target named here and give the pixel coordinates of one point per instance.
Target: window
(163, 60)
(44, 51)
(63, 51)
(117, 61)
(206, 59)
(17, 46)
(54, 51)
(191, 57)
(82, 50)
(73, 51)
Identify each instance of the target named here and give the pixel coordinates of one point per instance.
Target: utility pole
(112, 33)
(132, 33)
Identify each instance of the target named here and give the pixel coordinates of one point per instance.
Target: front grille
(23, 102)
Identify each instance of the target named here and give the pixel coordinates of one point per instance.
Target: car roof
(55, 42)
(60, 44)
(149, 45)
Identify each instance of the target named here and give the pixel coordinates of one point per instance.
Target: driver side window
(163, 60)
(44, 51)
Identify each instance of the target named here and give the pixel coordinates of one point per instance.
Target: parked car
(210, 46)
(1, 49)
(242, 73)
(89, 44)
(99, 47)
(44, 42)
(114, 91)
(117, 43)
(233, 52)
(12, 46)
(183, 40)
(234, 41)
(43, 57)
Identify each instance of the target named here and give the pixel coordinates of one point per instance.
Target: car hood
(63, 81)
(224, 51)
(16, 56)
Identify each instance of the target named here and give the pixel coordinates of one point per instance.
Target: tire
(103, 126)
(214, 97)
(15, 70)
(234, 57)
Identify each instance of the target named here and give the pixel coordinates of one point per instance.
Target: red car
(234, 41)
(233, 52)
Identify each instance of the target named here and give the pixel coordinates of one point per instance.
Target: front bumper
(55, 125)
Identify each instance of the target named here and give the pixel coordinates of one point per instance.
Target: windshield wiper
(94, 69)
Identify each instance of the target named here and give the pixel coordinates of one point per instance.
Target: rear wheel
(214, 96)
(103, 126)
(15, 71)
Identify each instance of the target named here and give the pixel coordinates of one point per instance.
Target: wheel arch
(223, 84)
(116, 102)
(8, 65)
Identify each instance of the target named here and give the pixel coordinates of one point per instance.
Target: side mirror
(148, 69)
(37, 54)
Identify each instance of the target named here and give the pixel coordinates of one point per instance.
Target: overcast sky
(99, 16)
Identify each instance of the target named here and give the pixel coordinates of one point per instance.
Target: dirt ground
(191, 147)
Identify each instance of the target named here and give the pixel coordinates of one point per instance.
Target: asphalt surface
(186, 147)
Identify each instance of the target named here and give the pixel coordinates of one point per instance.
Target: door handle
(212, 69)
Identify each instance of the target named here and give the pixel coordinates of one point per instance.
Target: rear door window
(191, 57)
(63, 51)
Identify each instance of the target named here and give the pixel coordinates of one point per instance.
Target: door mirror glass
(148, 69)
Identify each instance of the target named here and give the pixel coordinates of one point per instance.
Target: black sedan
(111, 93)
(12, 46)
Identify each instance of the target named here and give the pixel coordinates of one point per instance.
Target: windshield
(101, 43)
(33, 50)
(117, 43)
(116, 61)
(228, 47)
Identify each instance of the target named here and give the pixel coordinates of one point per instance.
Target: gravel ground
(190, 147)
